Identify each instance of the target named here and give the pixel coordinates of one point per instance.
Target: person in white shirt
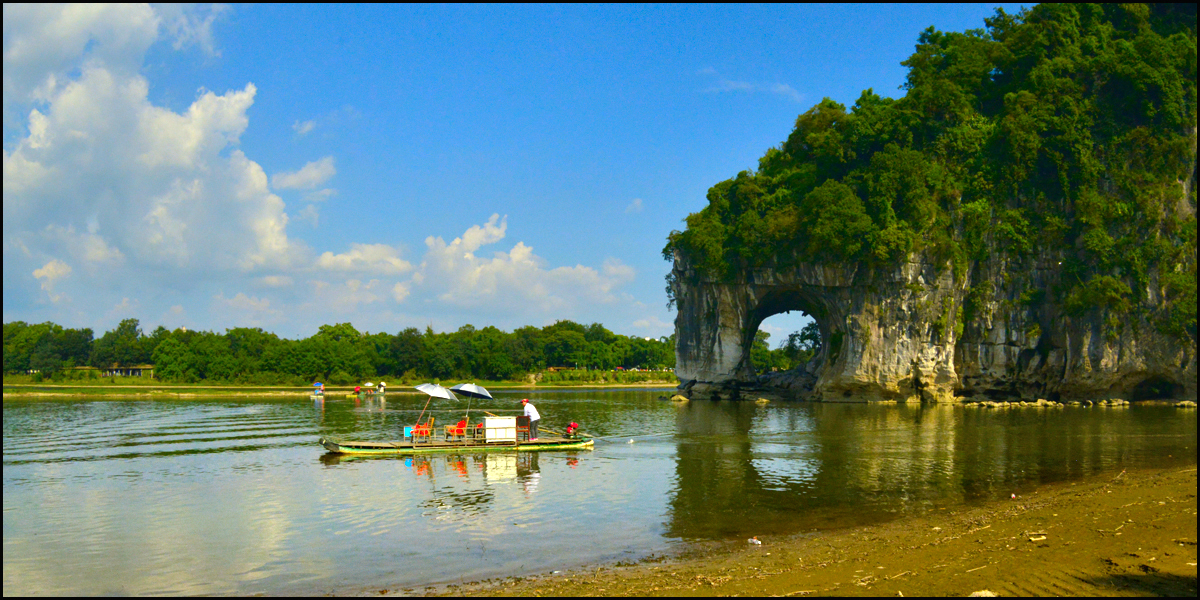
(534, 417)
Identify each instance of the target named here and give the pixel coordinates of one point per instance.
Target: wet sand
(1119, 534)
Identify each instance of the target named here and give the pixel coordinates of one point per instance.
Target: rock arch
(717, 320)
(901, 334)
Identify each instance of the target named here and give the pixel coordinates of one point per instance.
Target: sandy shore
(1120, 534)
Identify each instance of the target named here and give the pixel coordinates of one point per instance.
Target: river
(235, 496)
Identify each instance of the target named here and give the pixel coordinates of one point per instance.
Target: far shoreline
(30, 391)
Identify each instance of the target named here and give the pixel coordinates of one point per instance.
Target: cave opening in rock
(787, 333)
(1155, 388)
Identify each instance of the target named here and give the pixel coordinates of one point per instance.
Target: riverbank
(166, 391)
(1118, 534)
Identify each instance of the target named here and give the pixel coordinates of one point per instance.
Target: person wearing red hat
(534, 417)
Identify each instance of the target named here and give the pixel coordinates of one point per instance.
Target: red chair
(422, 431)
(458, 430)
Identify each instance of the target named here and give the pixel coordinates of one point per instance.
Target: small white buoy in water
(754, 540)
(1014, 496)
(630, 440)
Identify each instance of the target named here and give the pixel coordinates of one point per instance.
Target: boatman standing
(534, 417)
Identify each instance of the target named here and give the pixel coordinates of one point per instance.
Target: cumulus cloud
(243, 310)
(375, 258)
(516, 281)
(44, 42)
(303, 128)
(309, 214)
(88, 247)
(308, 177)
(130, 193)
(155, 180)
(276, 281)
(111, 197)
(512, 285)
(652, 323)
(191, 24)
(51, 272)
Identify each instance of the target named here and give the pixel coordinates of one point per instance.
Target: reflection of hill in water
(229, 495)
(743, 468)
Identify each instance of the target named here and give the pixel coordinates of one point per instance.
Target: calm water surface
(236, 497)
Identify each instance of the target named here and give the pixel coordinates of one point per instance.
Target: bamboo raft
(494, 433)
(337, 446)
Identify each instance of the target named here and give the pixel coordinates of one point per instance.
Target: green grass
(24, 385)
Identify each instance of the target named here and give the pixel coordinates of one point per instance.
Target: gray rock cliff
(901, 335)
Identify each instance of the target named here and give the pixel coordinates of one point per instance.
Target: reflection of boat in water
(494, 433)
(430, 444)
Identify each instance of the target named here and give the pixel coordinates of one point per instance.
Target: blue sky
(285, 167)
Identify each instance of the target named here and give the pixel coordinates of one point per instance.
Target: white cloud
(634, 207)
(514, 282)
(786, 90)
(123, 309)
(135, 196)
(729, 85)
(188, 26)
(375, 258)
(308, 177)
(399, 292)
(110, 197)
(154, 180)
(49, 274)
(308, 214)
(276, 281)
(89, 247)
(653, 323)
(246, 310)
(44, 42)
(303, 128)
(320, 195)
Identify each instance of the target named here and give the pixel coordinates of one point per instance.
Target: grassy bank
(1126, 533)
(20, 386)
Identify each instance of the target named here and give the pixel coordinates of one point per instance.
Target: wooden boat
(454, 445)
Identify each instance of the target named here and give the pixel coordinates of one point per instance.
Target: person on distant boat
(534, 417)
(382, 385)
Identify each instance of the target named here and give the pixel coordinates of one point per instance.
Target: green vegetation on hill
(337, 354)
(1065, 131)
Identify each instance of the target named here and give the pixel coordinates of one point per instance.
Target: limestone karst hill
(1021, 223)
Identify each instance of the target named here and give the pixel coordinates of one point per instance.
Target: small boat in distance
(492, 433)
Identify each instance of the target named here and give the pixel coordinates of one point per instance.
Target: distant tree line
(337, 354)
(799, 348)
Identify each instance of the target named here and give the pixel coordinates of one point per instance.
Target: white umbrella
(472, 390)
(368, 384)
(436, 391)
